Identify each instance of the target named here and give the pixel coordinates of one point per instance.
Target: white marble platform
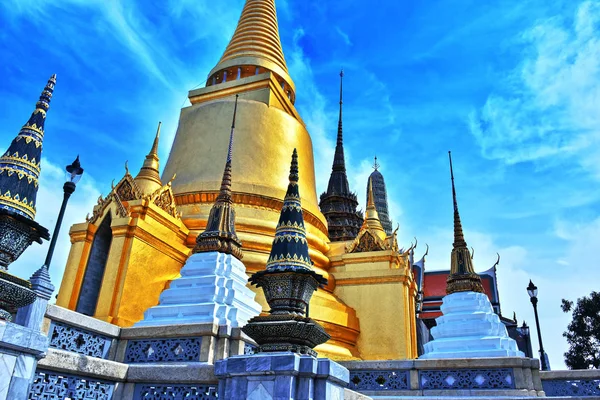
(211, 289)
(469, 328)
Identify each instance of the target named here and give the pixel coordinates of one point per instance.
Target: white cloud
(345, 37)
(548, 110)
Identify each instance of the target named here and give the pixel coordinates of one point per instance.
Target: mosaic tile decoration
(77, 340)
(175, 392)
(378, 380)
(163, 350)
(249, 348)
(48, 385)
(467, 379)
(572, 387)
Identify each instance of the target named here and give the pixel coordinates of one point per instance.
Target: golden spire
(372, 221)
(462, 276)
(256, 43)
(148, 179)
(219, 234)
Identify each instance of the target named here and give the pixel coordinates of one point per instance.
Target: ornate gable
(127, 190)
(367, 241)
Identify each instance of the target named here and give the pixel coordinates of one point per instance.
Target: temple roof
(256, 41)
(148, 179)
(219, 234)
(380, 196)
(338, 203)
(20, 164)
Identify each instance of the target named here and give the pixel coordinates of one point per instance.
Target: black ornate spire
(20, 164)
(338, 204)
(462, 276)
(290, 247)
(380, 194)
(220, 228)
(288, 283)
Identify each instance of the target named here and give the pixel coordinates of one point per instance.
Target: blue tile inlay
(572, 387)
(78, 340)
(163, 350)
(49, 385)
(501, 378)
(378, 380)
(146, 391)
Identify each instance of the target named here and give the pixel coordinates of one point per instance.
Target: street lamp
(74, 173)
(532, 290)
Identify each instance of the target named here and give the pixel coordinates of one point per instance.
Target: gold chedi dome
(268, 128)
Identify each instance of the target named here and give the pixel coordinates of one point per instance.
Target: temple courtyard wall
(91, 359)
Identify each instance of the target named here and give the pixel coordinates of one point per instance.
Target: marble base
(20, 348)
(280, 376)
(469, 328)
(211, 289)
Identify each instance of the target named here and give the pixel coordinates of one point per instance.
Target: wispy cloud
(547, 110)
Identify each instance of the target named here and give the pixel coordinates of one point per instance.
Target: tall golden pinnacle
(255, 43)
(462, 276)
(219, 234)
(148, 179)
(372, 221)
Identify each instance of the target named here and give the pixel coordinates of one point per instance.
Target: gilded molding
(245, 200)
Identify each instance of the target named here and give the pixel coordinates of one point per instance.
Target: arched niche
(94, 272)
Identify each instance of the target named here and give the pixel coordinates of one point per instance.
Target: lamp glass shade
(532, 290)
(74, 171)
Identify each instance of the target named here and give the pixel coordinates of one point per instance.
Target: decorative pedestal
(211, 289)
(271, 376)
(469, 328)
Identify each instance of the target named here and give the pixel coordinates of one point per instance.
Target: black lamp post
(532, 290)
(74, 172)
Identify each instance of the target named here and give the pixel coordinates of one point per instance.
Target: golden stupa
(373, 277)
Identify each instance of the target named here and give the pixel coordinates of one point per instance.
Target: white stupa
(212, 287)
(469, 327)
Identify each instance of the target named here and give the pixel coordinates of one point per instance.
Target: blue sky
(511, 87)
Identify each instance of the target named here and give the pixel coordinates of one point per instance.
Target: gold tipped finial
(372, 221)
(219, 234)
(462, 276)
(255, 43)
(148, 179)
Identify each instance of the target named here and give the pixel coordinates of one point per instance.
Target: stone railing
(92, 359)
(468, 377)
(577, 384)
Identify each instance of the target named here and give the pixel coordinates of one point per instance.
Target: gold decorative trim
(246, 199)
(373, 280)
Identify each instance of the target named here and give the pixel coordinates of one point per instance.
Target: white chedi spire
(469, 328)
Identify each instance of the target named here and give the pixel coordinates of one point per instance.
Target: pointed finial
(459, 238)
(340, 139)
(294, 167)
(462, 276)
(220, 234)
(376, 164)
(370, 197)
(148, 179)
(154, 149)
(46, 96)
(230, 150)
